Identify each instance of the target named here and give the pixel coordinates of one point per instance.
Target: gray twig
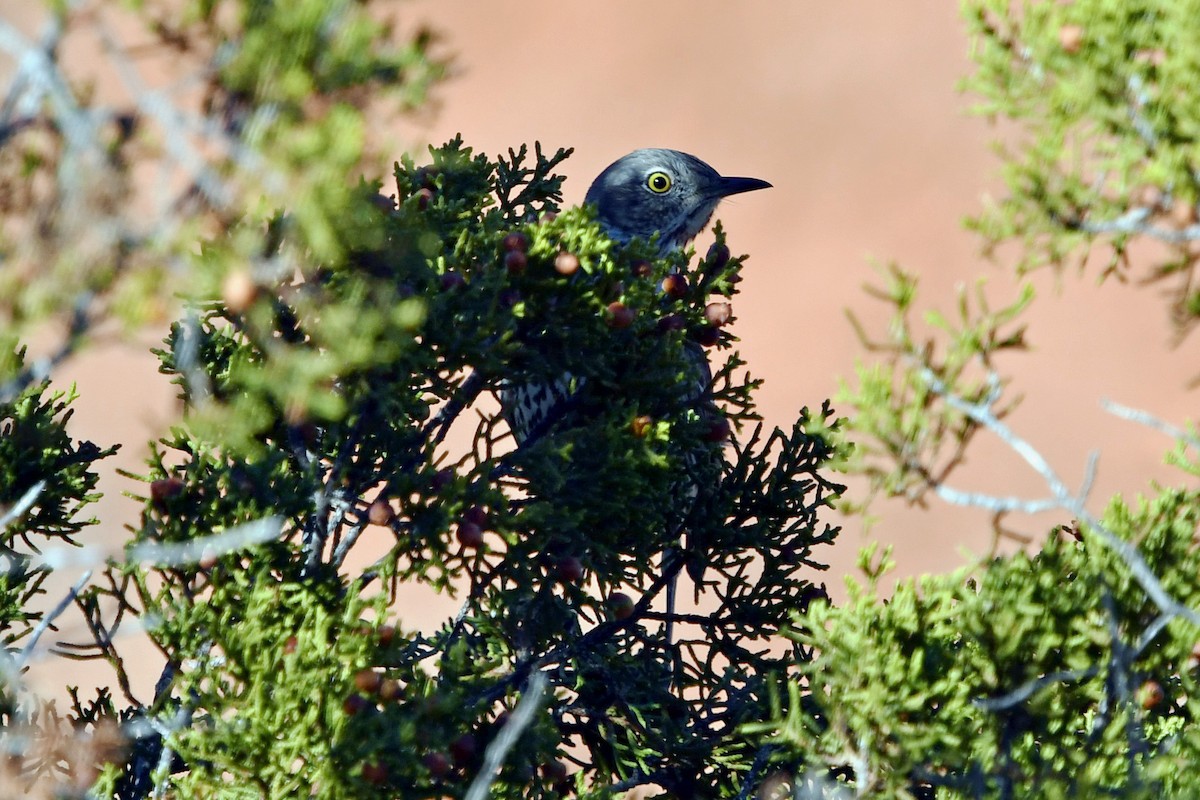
(1153, 422)
(1074, 503)
(188, 362)
(51, 615)
(493, 758)
(1136, 221)
(26, 501)
(40, 369)
(1030, 688)
(189, 552)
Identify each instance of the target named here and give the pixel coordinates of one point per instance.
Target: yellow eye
(658, 182)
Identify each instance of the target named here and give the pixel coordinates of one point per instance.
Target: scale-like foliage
(318, 406)
(334, 331)
(1101, 90)
(1070, 671)
(1036, 678)
(46, 480)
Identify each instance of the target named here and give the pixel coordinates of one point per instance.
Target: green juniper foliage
(1102, 92)
(1069, 671)
(265, 104)
(910, 439)
(320, 403)
(334, 330)
(46, 480)
(1037, 678)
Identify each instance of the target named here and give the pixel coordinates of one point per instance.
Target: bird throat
(687, 227)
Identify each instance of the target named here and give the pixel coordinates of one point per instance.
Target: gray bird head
(661, 191)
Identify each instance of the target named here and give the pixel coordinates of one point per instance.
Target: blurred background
(853, 112)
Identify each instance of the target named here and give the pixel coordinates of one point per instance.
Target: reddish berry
(290, 644)
(367, 681)
(641, 426)
(424, 197)
(239, 291)
(380, 513)
(516, 242)
(566, 263)
(718, 255)
(569, 569)
(554, 771)
(477, 515)
(718, 314)
(386, 634)
(1151, 694)
(619, 315)
(463, 749)
(515, 261)
(469, 535)
(355, 704)
(675, 285)
(375, 773)
(707, 335)
(642, 269)
(390, 689)
(621, 605)
(719, 430)
(165, 489)
(437, 764)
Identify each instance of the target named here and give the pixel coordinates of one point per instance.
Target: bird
(651, 192)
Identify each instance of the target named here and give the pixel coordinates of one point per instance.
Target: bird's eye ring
(658, 182)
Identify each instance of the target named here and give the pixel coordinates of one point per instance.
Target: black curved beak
(728, 186)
